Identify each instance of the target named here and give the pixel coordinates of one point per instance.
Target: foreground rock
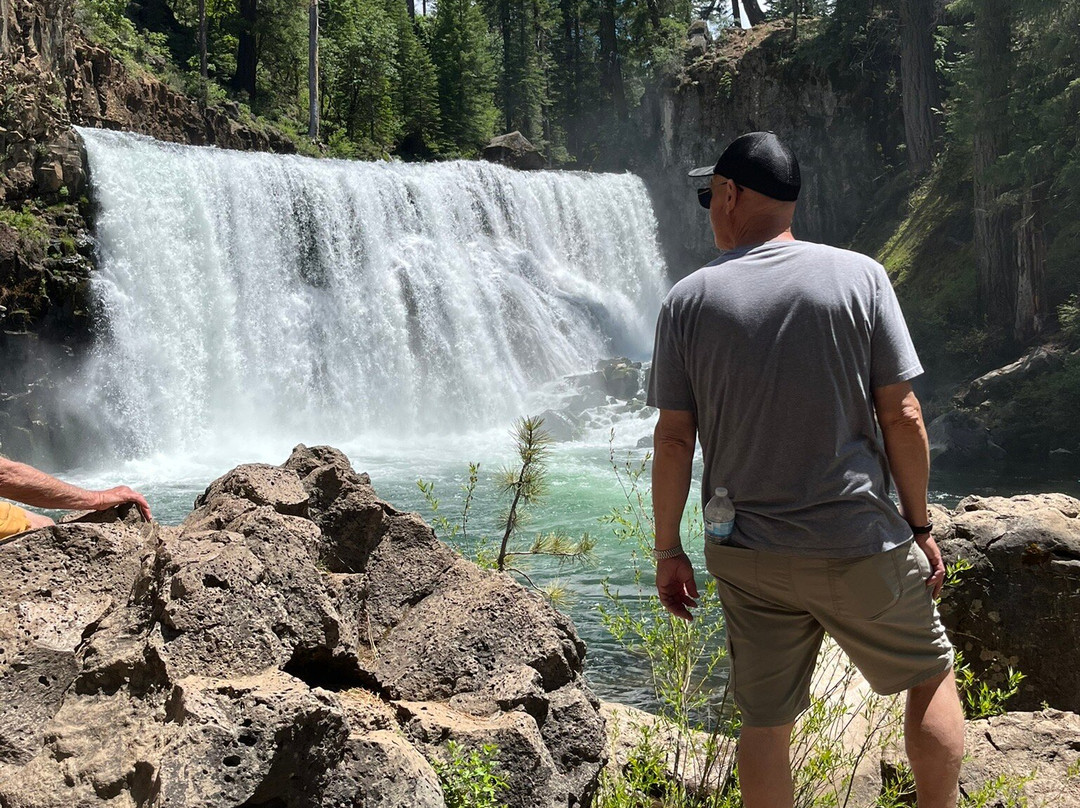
(1036, 754)
(1019, 604)
(295, 642)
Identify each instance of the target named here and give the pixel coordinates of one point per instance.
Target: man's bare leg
(765, 767)
(934, 737)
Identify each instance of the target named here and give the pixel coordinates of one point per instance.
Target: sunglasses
(704, 196)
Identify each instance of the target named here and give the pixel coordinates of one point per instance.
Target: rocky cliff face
(54, 78)
(295, 642)
(836, 117)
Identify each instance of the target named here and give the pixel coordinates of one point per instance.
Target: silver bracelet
(671, 552)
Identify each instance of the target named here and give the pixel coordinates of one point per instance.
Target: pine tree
(360, 71)
(460, 48)
(416, 94)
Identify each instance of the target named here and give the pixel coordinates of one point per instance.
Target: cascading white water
(253, 295)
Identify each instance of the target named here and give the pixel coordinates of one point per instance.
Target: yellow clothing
(13, 519)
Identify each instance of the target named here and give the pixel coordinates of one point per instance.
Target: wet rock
(559, 426)
(1021, 598)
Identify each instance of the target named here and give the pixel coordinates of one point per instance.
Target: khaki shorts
(777, 609)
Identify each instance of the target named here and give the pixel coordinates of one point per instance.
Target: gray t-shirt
(776, 348)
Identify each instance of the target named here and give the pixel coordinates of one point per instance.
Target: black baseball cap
(761, 162)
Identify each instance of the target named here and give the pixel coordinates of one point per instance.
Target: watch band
(922, 530)
(671, 552)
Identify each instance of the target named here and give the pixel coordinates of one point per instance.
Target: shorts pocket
(867, 587)
(735, 565)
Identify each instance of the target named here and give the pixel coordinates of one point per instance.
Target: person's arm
(673, 459)
(900, 417)
(29, 486)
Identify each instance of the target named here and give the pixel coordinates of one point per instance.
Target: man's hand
(37, 520)
(120, 495)
(676, 586)
(937, 564)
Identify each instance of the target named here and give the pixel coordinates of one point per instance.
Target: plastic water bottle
(719, 517)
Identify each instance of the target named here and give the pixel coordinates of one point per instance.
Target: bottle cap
(721, 492)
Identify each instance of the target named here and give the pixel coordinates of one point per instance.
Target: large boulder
(1019, 604)
(296, 641)
(1003, 381)
(961, 439)
(515, 150)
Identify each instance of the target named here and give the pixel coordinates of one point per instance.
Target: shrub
(469, 779)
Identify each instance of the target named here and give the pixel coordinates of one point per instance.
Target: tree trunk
(919, 85)
(611, 77)
(411, 6)
(203, 66)
(313, 69)
(754, 14)
(735, 13)
(995, 261)
(247, 58)
(654, 13)
(1031, 266)
(504, 29)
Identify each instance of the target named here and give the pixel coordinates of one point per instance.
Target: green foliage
(30, 227)
(106, 22)
(897, 789)
(470, 779)
(359, 68)
(1044, 411)
(1068, 314)
(1004, 791)
(523, 485)
(461, 51)
(451, 530)
(979, 699)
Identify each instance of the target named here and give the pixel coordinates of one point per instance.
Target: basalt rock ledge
(296, 641)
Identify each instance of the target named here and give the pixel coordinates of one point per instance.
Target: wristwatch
(671, 552)
(922, 530)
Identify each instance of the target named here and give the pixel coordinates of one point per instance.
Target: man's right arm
(673, 463)
(900, 417)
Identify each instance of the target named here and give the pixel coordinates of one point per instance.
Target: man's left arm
(27, 485)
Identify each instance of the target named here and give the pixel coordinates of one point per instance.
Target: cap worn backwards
(761, 162)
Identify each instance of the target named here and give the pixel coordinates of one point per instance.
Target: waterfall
(244, 295)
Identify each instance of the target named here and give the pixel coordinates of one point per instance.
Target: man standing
(29, 486)
(792, 363)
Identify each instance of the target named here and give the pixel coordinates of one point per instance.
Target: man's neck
(760, 236)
